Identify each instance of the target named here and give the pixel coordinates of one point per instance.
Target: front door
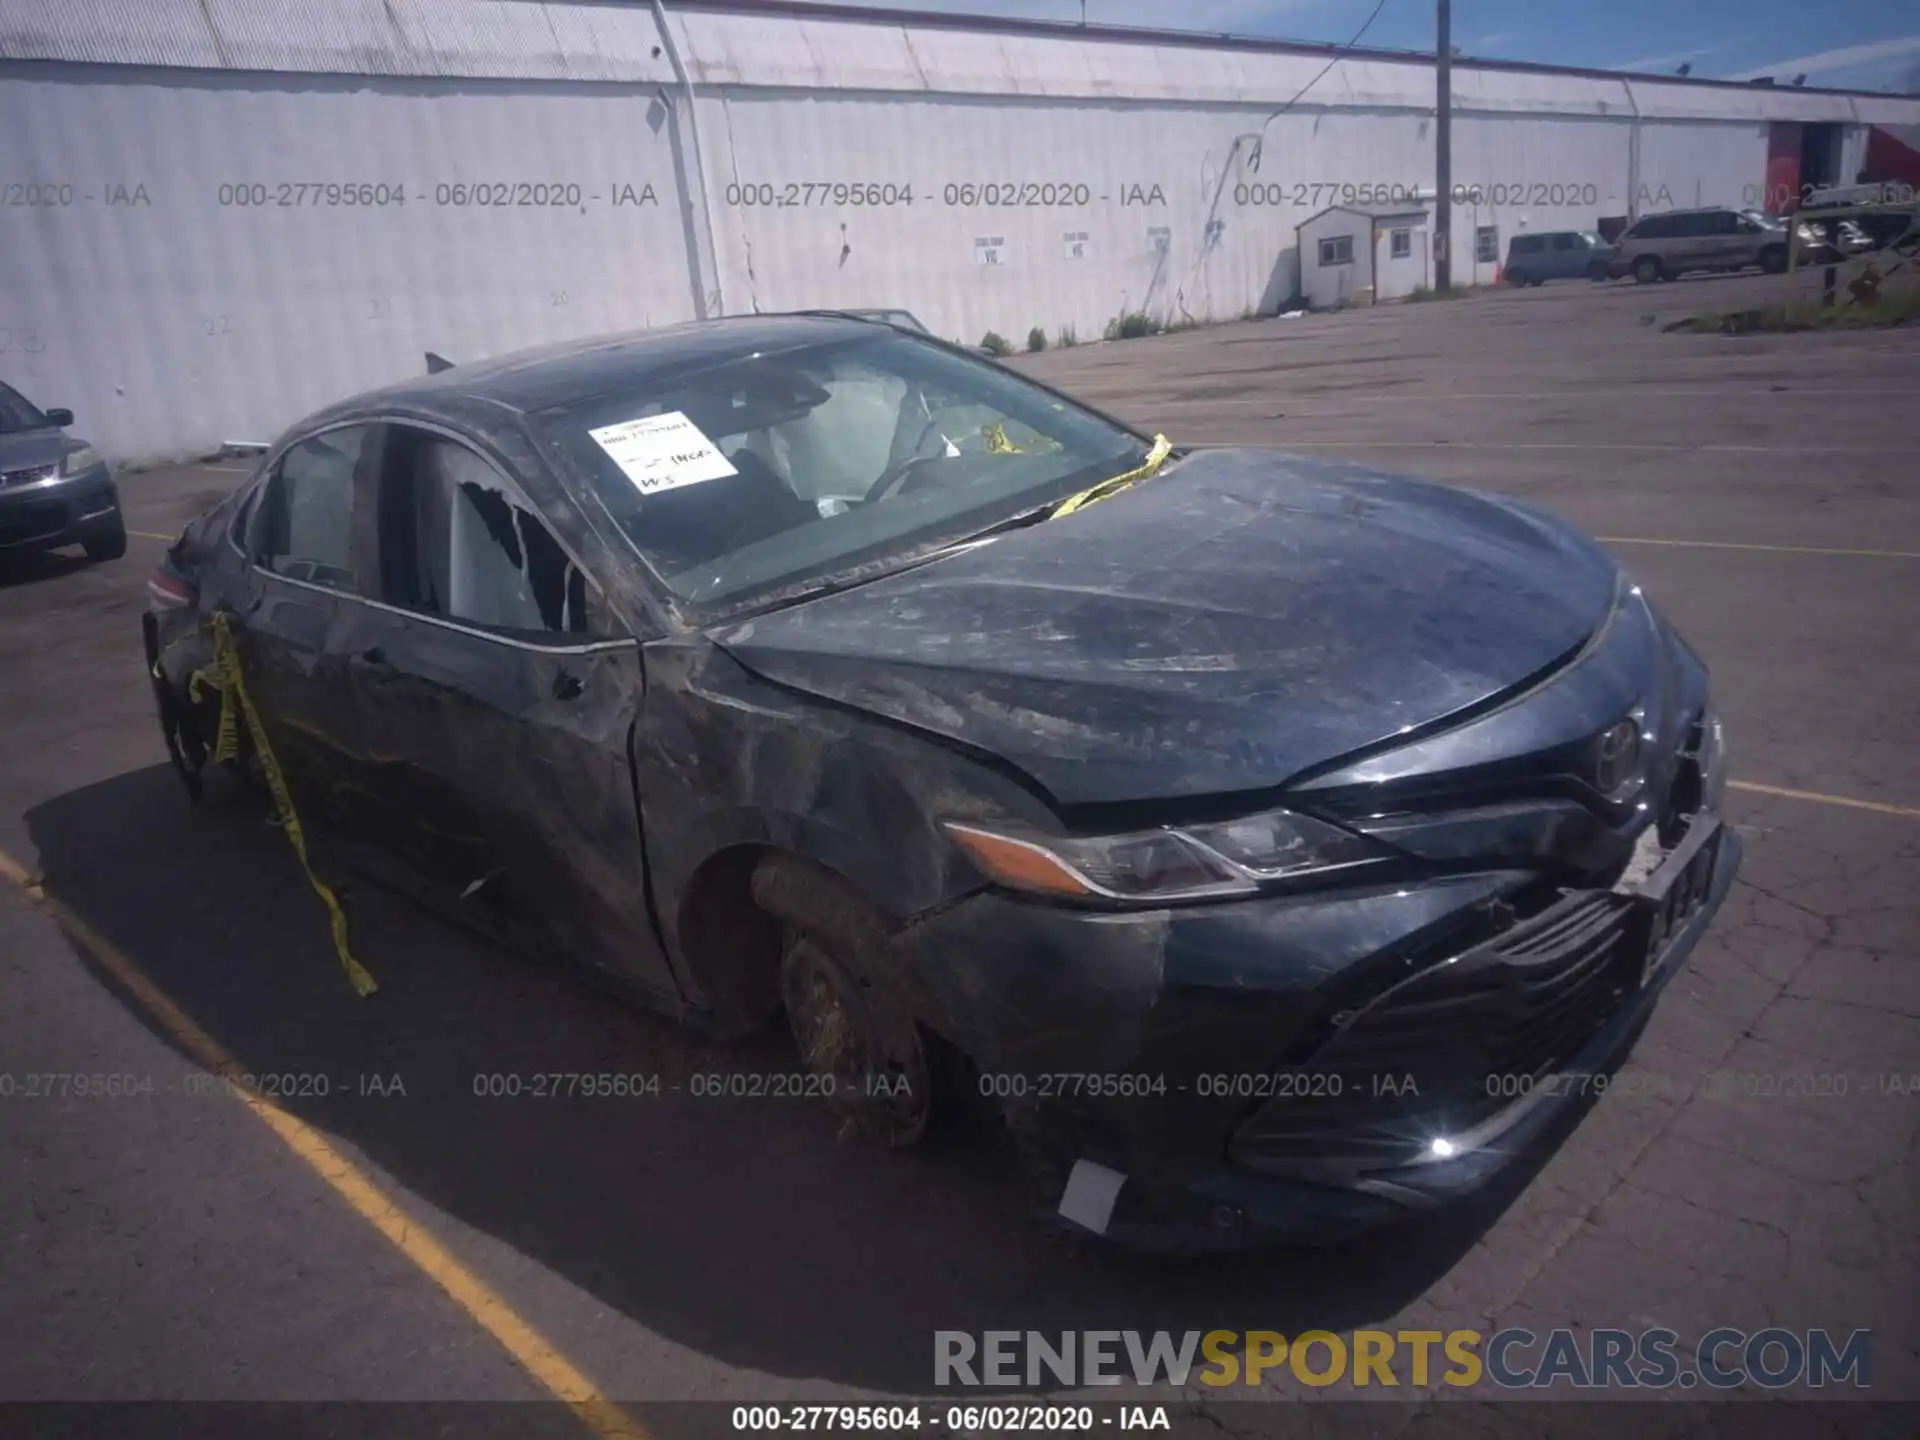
(496, 696)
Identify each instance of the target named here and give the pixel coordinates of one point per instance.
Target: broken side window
(455, 543)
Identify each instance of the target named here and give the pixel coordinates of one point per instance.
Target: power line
(1253, 160)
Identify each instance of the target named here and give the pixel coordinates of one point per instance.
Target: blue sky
(1858, 44)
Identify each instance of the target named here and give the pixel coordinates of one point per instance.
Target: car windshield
(786, 471)
(17, 414)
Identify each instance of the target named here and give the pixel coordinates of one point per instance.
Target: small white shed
(1360, 256)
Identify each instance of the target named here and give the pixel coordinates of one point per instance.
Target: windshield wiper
(1013, 522)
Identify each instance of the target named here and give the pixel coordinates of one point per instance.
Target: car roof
(528, 381)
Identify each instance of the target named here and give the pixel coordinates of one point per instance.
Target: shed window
(1400, 243)
(1336, 250)
(1486, 244)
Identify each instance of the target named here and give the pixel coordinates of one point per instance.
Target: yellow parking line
(1738, 545)
(151, 535)
(533, 1351)
(1818, 798)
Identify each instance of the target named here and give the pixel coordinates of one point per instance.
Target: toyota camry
(1266, 839)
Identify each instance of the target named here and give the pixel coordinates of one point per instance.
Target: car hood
(30, 449)
(1242, 618)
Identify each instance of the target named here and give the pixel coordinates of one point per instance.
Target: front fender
(725, 759)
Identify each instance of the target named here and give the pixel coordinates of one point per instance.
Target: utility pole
(1443, 153)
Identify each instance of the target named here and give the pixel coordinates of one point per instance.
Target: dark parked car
(1261, 834)
(905, 319)
(54, 490)
(1557, 255)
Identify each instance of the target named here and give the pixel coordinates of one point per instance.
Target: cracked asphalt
(166, 1246)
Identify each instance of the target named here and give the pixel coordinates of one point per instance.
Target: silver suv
(1662, 246)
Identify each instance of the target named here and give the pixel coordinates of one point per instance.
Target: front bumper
(67, 510)
(1070, 1015)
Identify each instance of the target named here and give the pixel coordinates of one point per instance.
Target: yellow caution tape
(999, 444)
(235, 704)
(1156, 457)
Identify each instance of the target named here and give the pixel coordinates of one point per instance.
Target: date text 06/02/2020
(1054, 194)
(955, 1419)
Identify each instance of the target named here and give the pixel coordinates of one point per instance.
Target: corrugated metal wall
(241, 209)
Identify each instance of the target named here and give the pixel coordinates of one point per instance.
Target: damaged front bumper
(1295, 1069)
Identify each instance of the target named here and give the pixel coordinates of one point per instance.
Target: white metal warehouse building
(219, 214)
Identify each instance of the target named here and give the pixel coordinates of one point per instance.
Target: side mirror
(62, 418)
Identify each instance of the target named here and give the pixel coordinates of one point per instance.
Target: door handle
(567, 686)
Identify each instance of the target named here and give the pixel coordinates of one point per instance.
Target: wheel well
(733, 930)
(732, 946)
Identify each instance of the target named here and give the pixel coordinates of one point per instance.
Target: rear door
(1701, 244)
(496, 695)
(307, 546)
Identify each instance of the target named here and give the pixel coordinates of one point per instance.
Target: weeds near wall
(1884, 311)
(995, 344)
(1423, 293)
(1066, 339)
(1036, 340)
(1132, 325)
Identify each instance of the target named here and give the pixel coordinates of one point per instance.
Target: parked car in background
(1558, 255)
(1678, 242)
(1168, 799)
(905, 319)
(55, 490)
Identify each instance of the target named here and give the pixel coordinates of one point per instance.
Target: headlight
(1713, 763)
(85, 458)
(1189, 863)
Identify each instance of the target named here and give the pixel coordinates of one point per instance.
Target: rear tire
(110, 546)
(1648, 269)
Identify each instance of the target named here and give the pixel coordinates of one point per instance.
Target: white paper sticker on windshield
(662, 452)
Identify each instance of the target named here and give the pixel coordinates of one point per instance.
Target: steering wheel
(894, 478)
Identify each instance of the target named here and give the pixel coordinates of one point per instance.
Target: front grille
(1453, 1045)
(30, 476)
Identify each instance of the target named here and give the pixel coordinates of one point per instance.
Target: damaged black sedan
(1267, 839)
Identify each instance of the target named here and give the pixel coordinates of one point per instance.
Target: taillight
(166, 591)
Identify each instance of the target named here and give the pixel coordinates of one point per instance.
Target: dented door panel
(503, 765)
